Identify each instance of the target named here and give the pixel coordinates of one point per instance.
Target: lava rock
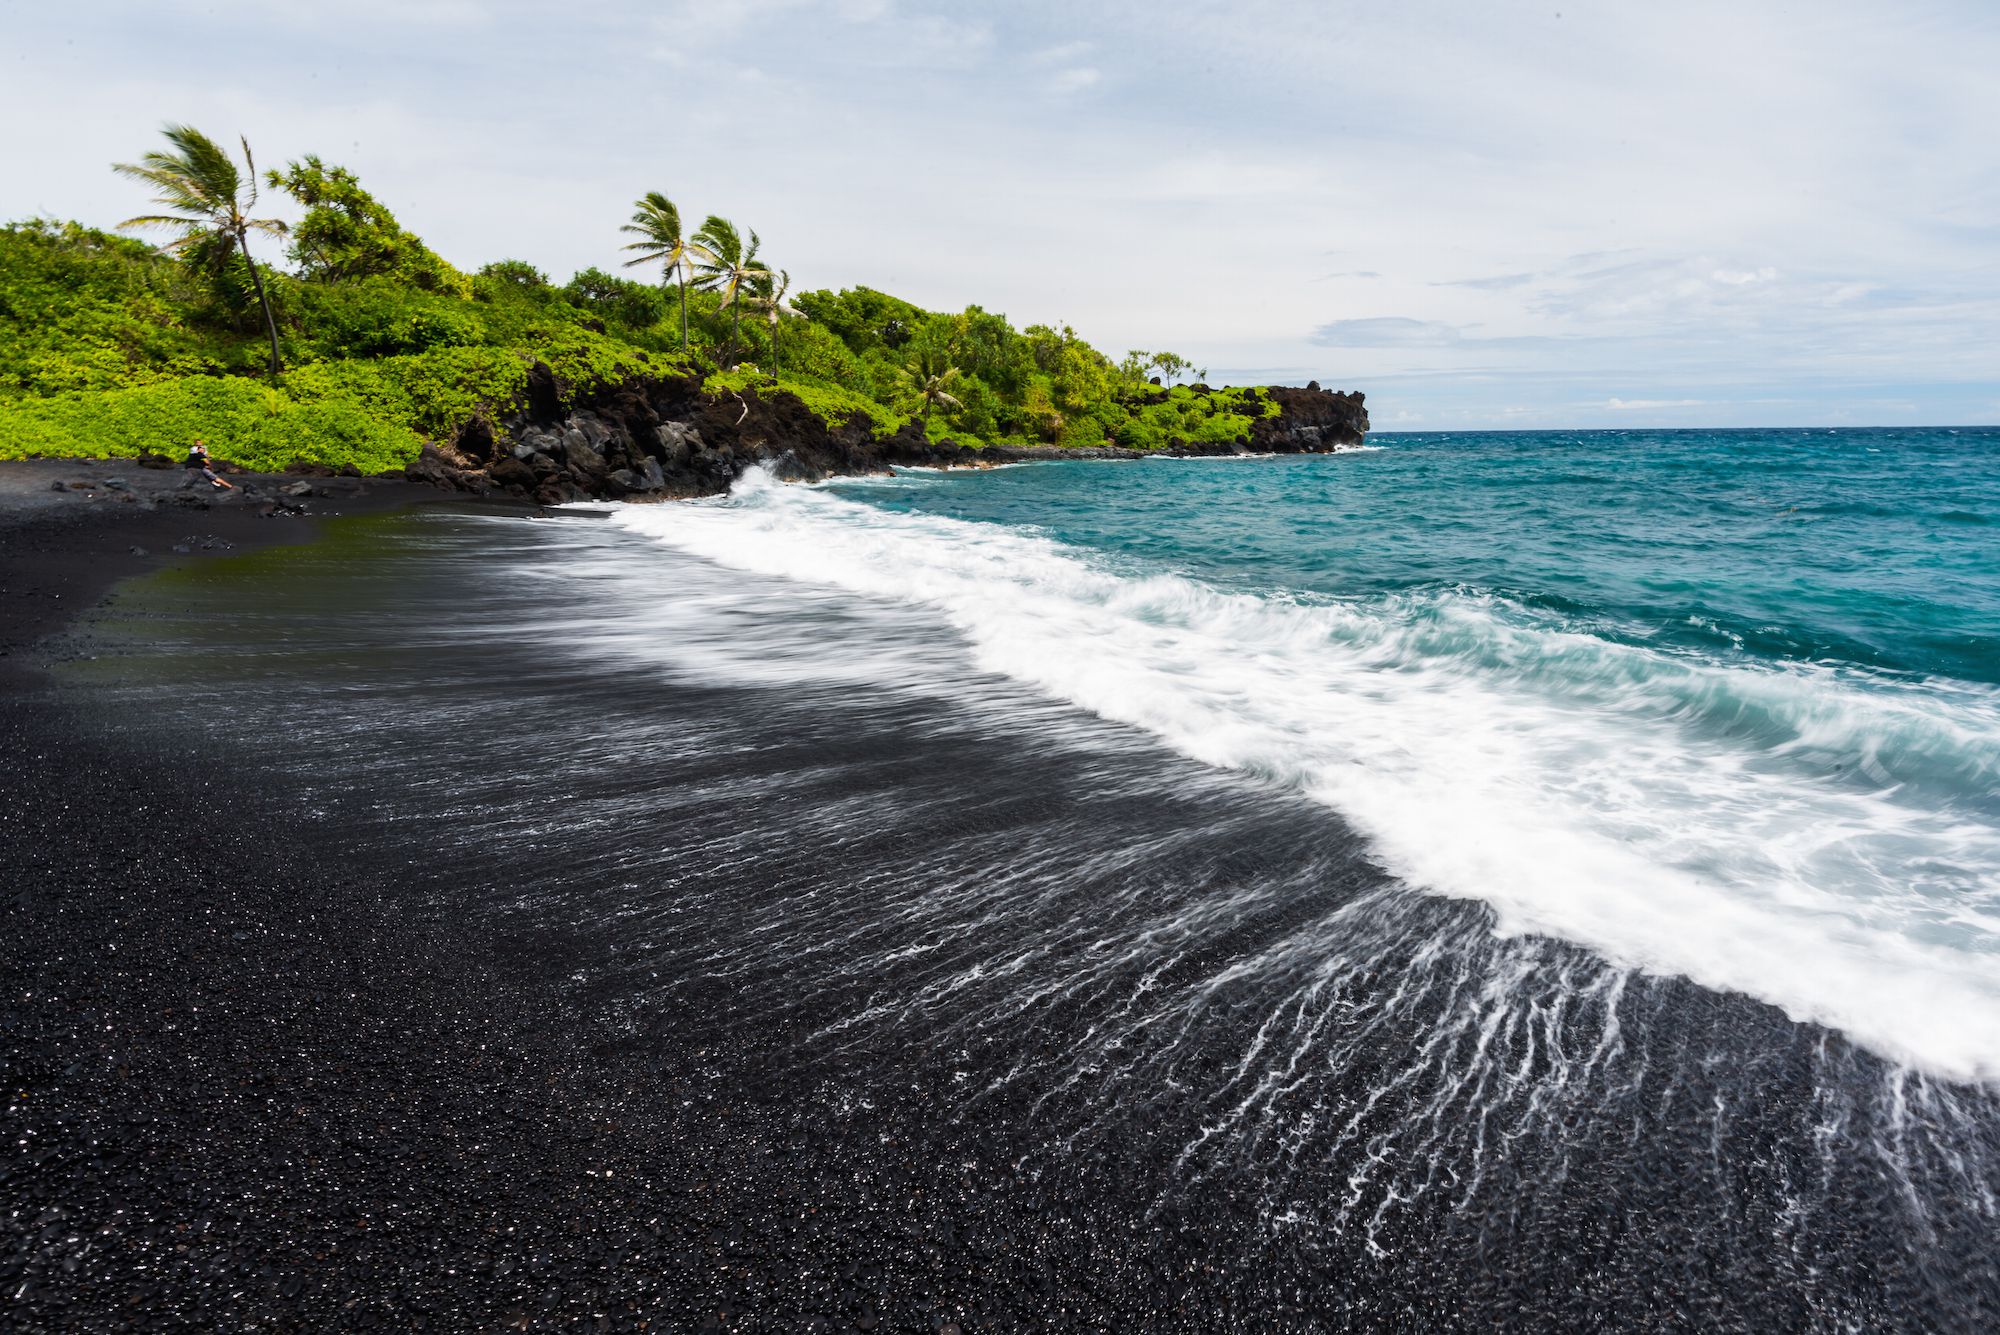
(678, 442)
(544, 398)
(475, 440)
(585, 463)
(431, 466)
(513, 473)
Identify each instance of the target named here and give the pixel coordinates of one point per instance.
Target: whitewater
(1818, 831)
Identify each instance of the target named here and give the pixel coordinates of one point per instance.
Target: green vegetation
(367, 343)
(204, 197)
(347, 235)
(658, 224)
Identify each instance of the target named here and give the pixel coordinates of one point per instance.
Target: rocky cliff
(667, 437)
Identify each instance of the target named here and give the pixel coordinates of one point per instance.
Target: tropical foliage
(727, 267)
(767, 297)
(658, 225)
(205, 200)
(112, 346)
(346, 234)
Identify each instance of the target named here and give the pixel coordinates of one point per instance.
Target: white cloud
(1066, 53)
(1742, 277)
(1385, 332)
(1742, 204)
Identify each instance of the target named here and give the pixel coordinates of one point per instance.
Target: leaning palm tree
(931, 375)
(767, 295)
(204, 194)
(729, 268)
(658, 225)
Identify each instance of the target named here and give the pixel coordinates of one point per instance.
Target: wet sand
(70, 529)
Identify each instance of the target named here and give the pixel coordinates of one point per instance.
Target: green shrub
(81, 309)
(376, 317)
(243, 422)
(836, 405)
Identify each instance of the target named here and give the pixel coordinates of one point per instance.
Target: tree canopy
(348, 234)
(388, 342)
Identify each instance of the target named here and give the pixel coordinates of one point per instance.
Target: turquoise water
(1717, 704)
(1878, 548)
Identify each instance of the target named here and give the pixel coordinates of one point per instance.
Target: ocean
(1483, 880)
(1717, 704)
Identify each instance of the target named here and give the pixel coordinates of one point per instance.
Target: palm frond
(719, 236)
(202, 160)
(164, 220)
(191, 233)
(670, 254)
(175, 191)
(199, 183)
(656, 219)
(251, 163)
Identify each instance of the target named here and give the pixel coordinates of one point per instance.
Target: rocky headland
(666, 437)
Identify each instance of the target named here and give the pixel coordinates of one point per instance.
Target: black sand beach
(72, 528)
(392, 943)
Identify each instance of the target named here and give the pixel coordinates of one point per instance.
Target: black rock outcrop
(665, 437)
(1310, 420)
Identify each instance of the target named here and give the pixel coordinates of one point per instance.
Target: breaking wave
(1825, 839)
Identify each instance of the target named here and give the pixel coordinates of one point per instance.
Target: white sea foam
(1826, 843)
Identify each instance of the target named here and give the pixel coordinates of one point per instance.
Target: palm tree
(768, 295)
(658, 225)
(199, 184)
(932, 375)
(727, 267)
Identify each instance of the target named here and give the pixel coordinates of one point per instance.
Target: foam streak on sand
(1821, 839)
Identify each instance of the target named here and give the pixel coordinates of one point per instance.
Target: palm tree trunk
(735, 328)
(682, 270)
(270, 321)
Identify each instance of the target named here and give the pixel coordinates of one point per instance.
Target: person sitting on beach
(198, 459)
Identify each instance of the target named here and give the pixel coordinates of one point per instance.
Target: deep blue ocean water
(1721, 704)
(1877, 547)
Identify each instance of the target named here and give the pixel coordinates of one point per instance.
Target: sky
(1484, 214)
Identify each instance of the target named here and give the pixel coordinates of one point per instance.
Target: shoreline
(62, 551)
(71, 529)
(389, 948)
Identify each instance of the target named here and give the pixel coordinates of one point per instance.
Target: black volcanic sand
(71, 528)
(370, 964)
